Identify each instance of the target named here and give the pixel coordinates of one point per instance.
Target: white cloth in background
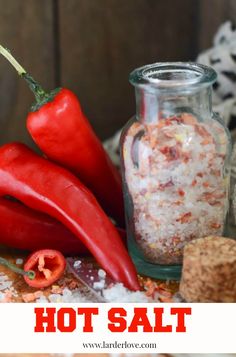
(222, 57)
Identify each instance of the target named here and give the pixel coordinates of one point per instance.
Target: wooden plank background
(91, 46)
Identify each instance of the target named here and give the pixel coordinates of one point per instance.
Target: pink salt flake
(31, 297)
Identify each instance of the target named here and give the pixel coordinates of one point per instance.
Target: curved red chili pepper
(24, 228)
(49, 188)
(60, 129)
(48, 266)
(27, 229)
(63, 133)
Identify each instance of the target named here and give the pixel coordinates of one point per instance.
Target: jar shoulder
(185, 131)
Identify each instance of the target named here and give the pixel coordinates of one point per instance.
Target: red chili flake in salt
(165, 293)
(175, 240)
(171, 152)
(162, 186)
(215, 225)
(200, 174)
(212, 196)
(184, 218)
(167, 122)
(194, 182)
(214, 203)
(164, 150)
(181, 192)
(177, 203)
(216, 172)
(205, 141)
(73, 285)
(174, 118)
(206, 184)
(185, 157)
(151, 287)
(202, 131)
(219, 194)
(188, 119)
(174, 153)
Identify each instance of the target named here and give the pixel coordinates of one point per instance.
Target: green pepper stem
(13, 267)
(38, 91)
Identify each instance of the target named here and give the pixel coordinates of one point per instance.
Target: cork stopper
(209, 270)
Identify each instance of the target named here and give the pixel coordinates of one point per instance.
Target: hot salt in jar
(175, 166)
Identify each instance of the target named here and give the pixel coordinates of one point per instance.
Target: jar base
(156, 271)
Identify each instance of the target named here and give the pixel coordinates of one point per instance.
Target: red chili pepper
(58, 126)
(48, 266)
(24, 228)
(44, 186)
(27, 229)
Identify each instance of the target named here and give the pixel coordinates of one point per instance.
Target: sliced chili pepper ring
(48, 266)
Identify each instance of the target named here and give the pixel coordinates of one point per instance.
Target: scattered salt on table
(7, 291)
(68, 296)
(32, 297)
(5, 283)
(101, 273)
(118, 293)
(99, 285)
(42, 300)
(77, 263)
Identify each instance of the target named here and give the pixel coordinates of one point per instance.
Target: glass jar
(175, 165)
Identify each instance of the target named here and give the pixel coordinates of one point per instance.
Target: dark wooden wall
(91, 46)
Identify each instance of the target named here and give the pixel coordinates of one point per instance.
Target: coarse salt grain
(68, 297)
(99, 285)
(118, 293)
(5, 283)
(42, 300)
(19, 261)
(31, 297)
(101, 273)
(77, 263)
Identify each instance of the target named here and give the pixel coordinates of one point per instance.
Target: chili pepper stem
(6, 53)
(13, 267)
(38, 91)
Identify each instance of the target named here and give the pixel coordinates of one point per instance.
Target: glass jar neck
(168, 88)
(153, 105)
